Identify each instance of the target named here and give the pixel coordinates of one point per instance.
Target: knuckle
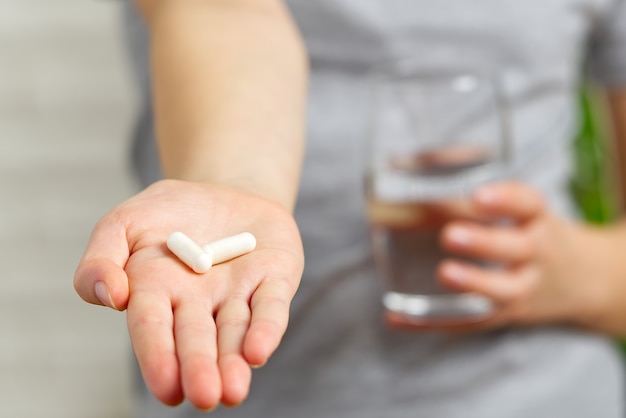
(195, 327)
(527, 250)
(233, 321)
(149, 320)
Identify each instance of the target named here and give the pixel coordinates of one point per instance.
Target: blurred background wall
(65, 108)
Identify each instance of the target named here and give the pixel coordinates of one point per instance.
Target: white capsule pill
(228, 248)
(189, 252)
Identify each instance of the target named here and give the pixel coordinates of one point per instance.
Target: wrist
(282, 195)
(604, 307)
(268, 173)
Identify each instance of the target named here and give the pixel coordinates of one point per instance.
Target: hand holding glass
(434, 139)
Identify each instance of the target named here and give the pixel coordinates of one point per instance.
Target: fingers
(100, 277)
(509, 200)
(150, 323)
(195, 335)
(270, 314)
(232, 321)
(510, 244)
(499, 244)
(503, 286)
(247, 334)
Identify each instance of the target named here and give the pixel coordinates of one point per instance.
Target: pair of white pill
(201, 259)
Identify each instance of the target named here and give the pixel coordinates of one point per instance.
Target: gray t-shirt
(338, 359)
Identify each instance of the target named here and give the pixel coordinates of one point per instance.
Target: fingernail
(257, 366)
(209, 409)
(459, 235)
(103, 295)
(486, 195)
(455, 273)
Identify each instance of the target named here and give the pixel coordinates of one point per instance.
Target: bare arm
(612, 308)
(617, 106)
(229, 80)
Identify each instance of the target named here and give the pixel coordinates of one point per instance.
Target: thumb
(100, 277)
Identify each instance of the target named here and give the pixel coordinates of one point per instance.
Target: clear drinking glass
(434, 138)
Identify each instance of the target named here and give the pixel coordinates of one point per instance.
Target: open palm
(195, 336)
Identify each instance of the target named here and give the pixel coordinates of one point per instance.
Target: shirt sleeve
(607, 57)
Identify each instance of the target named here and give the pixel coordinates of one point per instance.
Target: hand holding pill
(196, 339)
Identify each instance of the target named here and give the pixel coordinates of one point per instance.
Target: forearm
(229, 82)
(601, 268)
(617, 107)
(612, 307)
(603, 305)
